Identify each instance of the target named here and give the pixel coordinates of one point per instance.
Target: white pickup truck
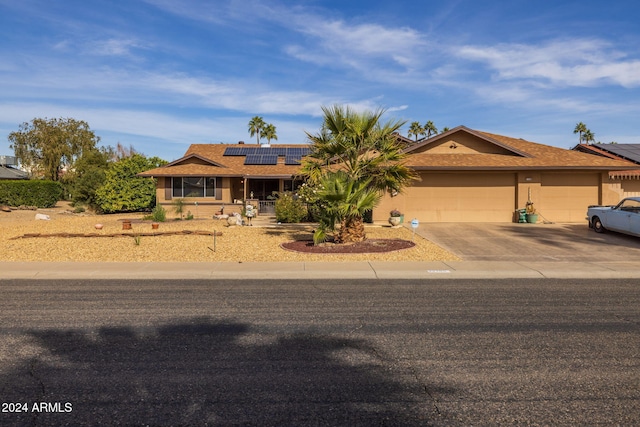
(623, 218)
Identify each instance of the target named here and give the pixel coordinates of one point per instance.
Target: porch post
(244, 188)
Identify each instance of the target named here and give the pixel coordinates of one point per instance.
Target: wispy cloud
(580, 62)
(114, 47)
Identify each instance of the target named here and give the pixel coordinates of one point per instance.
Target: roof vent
(241, 142)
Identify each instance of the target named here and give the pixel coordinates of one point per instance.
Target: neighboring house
(466, 176)
(8, 169)
(627, 181)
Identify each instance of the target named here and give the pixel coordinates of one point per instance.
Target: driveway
(530, 242)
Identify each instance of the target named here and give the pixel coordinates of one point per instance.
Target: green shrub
(159, 214)
(42, 194)
(290, 209)
(123, 190)
(178, 206)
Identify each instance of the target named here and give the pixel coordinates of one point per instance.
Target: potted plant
(395, 217)
(531, 213)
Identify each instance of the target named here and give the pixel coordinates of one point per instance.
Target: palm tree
(430, 128)
(363, 148)
(345, 202)
(269, 132)
(416, 130)
(588, 136)
(445, 129)
(580, 129)
(256, 125)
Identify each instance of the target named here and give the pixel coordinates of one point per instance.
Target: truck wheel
(597, 225)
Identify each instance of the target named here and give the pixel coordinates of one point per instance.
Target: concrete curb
(386, 270)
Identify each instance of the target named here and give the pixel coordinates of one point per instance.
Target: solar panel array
(261, 159)
(268, 155)
(628, 151)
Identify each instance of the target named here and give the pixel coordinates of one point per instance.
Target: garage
(463, 197)
(564, 197)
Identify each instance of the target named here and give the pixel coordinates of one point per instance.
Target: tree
(123, 190)
(45, 146)
(87, 176)
(580, 129)
(445, 129)
(256, 125)
(416, 130)
(588, 136)
(430, 128)
(269, 132)
(122, 152)
(345, 202)
(366, 150)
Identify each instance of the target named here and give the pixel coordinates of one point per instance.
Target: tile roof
(615, 151)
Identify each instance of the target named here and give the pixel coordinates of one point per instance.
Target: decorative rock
(42, 217)
(98, 226)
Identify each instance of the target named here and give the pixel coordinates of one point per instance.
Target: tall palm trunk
(351, 230)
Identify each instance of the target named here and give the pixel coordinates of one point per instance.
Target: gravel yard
(244, 244)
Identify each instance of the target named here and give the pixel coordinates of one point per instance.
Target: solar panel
(292, 160)
(261, 159)
(268, 155)
(629, 151)
(232, 151)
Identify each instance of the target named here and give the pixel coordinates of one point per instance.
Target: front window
(193, 186)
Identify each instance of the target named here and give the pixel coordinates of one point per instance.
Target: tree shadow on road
(205, 372)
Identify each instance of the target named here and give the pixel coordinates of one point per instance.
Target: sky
(160, 75)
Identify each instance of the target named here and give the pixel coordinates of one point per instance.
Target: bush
(159, 214)
(42, 194)
(289, 209)
(123, 190)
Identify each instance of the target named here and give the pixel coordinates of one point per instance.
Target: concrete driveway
(530, 242)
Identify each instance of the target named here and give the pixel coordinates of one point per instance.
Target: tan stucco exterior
(558, 196)
(464, 176)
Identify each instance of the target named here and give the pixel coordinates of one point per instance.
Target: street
(320, 352)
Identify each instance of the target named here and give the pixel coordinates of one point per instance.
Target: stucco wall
(558, 196)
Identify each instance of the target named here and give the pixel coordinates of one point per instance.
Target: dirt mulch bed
(367, 246)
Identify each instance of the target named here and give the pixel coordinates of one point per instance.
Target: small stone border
(151, 234)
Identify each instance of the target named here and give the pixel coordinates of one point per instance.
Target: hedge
(41, 194)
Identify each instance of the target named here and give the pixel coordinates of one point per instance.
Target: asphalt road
(384, 352)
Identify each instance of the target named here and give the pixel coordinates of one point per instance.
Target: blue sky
(163, 74)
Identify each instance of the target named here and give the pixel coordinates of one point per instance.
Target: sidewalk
(320, 270)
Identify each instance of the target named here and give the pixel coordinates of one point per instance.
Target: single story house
(626, 181)
(219, 177)
(465, 176)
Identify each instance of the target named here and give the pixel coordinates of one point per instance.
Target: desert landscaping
(24, 238)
